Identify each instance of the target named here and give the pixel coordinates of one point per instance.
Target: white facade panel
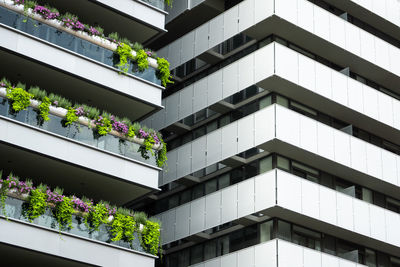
(199, 95)
(288, 192)
(321, 22)
(184, 160)
(213, 210)
(246, 198)
(327, 205)
(361, 217)
(214, 87)
(337, 33)
(288, 132)
(264, 124)
(230, 83)
(358, 154)
(214, 140)
(289, 255)
(389, 168)
(284, 66)
(245, 72)
(342, 147)
(307, 74)
(344, 211)
(216, 31)
(287, 9)
(308, 134)
(310, 199)
(199, 158)
(367, 46)
(323, 80)
(187, 49)
(305, 15)
(185, 103)
(265, 193)
(182, 227)
(229, 204)
(229, 142)
(245, 257)
(246, 15)
(197, 218)
(172, 115)
(370, 102)
(231, 23)
(246, 133)
(201, 39)
(353, 43)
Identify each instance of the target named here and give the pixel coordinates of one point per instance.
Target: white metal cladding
(220, 207)
(69, 247)
(292, 193)
(291, 66)
(42, 142)
(387, 9)
(62, 59)
(138, 10)
(243, 134)
(302, 13)
(280, 253)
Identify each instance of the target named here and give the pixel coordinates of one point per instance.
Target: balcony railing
(76, 131)
(71, 42)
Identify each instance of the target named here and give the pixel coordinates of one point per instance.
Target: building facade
(283, 134)
(71, 154)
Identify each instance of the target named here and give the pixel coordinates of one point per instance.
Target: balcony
(80, 63)
(285, 71)
(341, 42)
(279, 194)
(280, 253)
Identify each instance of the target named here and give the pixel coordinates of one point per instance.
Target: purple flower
(79, 112)
(45, 12)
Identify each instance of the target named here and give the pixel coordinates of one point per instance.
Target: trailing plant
(97, 216)
(36, 204)
(141, 59)
(103, 125)
(123, 228)
(163, 72)
(44, 108)
(63, 213)
(19, 97)
(124, 52)
(121, 223)
(150, 237)
(71, 116)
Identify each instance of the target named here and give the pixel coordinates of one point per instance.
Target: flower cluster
(14, 183)
(93, 31)
(79, 111)
(111, 210)
(2, 84)
(54, 197)
(119, 126)
(81, 205)
(73, 23)
(142, 134)
(45, 12)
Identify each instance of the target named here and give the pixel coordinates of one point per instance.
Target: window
(307, 238)
(266, 231)
(196, 254)
(370, 258)
(283, 163)
(266, 164)
(284, 231)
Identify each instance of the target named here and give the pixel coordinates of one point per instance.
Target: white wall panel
(287, 9)
(358, 154)
(197, 218)
(392, 227)
(187, 49)
(323, 80)
(367, 46)
(326, 147)
(172, 170)
(289, 255)
(229, 260)
(306, 72)
(377, 223)
(329, 260)
(353, 43)
(201, 39)
(264, 62)
(184, 165)
(389, 168)
(370, 102)
(264, 123)
(246, 198)
(182, 221)
(229, 204)
(172, 114)
(361, 217)
(199, 158)
(213, 210)
(265, 254)
(310, 198)
(231, 23)
(230, 82)
(305, 15)
(344, 211)
(385, 108)
(337, 33)
(246, 133)
(246, 15)
(321, 22)
(339, 88)
(289, 192)
(308, 134)
(288, 132)
(214, 140)
(355, 93)
(216, 30)
(214, 93)
(265, 190)
(263, 8)
(286, 65)
(168, 224)
(185, 103)
(200, 95)
(374, 161)
(245, 257)
(342, 147)
(229, 142)
(382, 53)
(246, 72)
(327, 205)
(312, 258)
(396, 114)
(213, 263)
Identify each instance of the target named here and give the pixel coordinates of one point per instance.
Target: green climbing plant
(141, 60)
(20, 98)
(44, 108)
(71, 116)
(163, 71)
(125, 52)
(36, 204)
(63, 213)
(123, 228)
(150, 238)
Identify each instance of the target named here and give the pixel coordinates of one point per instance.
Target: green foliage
(71, 116)
(137, 46)
(37, 93)
(114, 36)
(125, 52)
(5, 83)
(123, 228)
(141, 59)
(131, 132)
(61, 101)
(163, 71)
(150, 238)
(97, 216)
(91, 112)
(3, 194)
(44, 108)
(63, 213)
(103, 125)
(140, 217)
(36, 204)
(168, 2)
(161, 156)
(19, 97)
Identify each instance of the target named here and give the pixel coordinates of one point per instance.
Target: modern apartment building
(283, 133)
(65, 89)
